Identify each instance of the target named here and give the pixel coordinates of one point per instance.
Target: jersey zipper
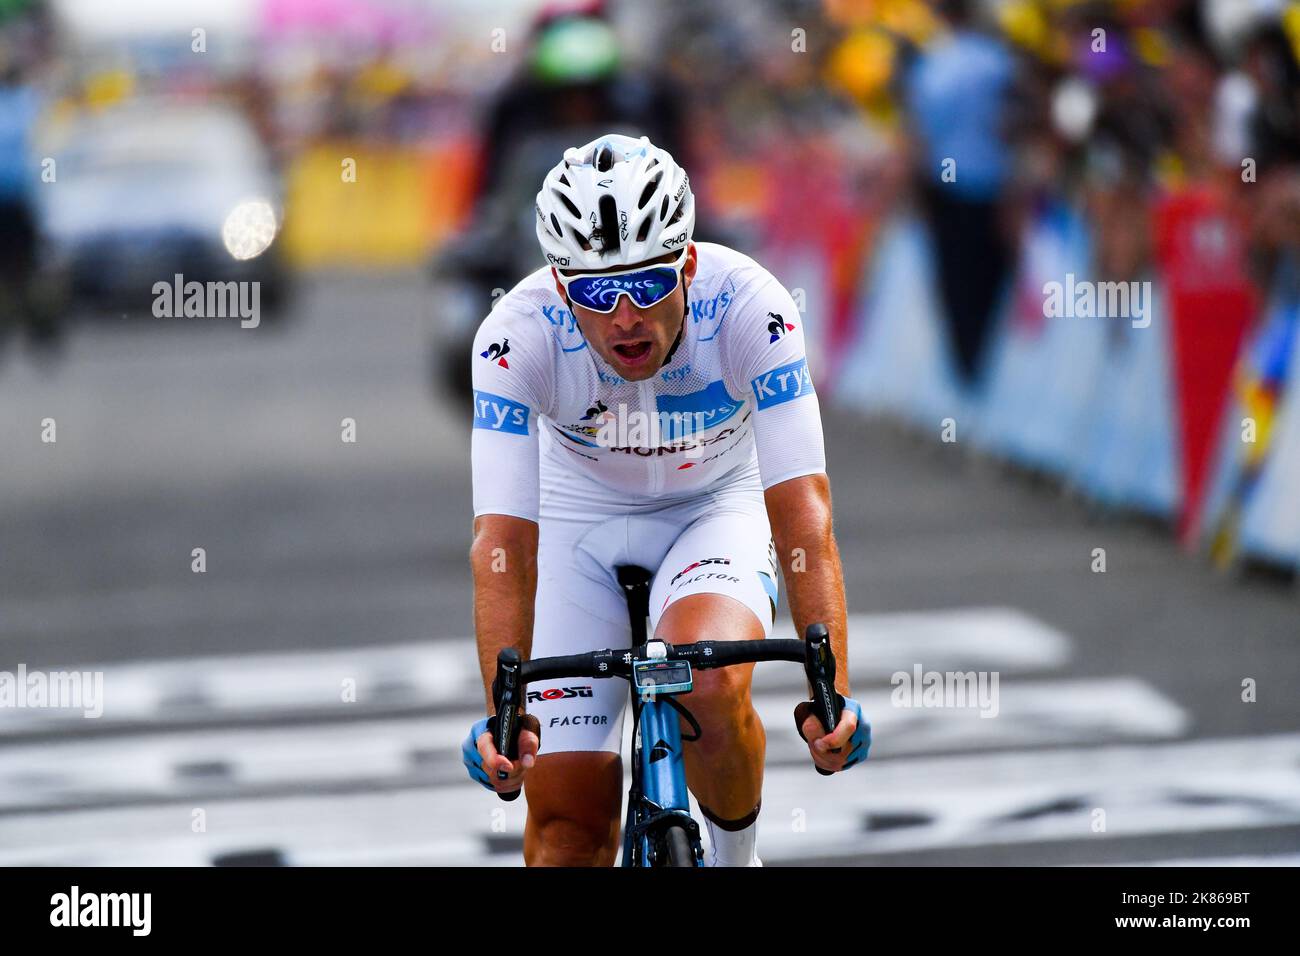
(655, 461)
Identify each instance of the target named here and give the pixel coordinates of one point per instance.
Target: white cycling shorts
(717, 542)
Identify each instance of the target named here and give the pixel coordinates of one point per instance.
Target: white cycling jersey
(735, 388)
(667, 473)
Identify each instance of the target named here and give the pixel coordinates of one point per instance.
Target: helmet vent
(609, 225)
(649, 190)
(604, 159)
(568, 204)
(663, 208)
(555, 225)
(644, 230)
(565, 179)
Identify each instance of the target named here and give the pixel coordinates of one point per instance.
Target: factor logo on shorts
(580, 720)
(691, 567)
(558, 693)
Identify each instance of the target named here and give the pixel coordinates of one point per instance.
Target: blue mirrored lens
(600, 293)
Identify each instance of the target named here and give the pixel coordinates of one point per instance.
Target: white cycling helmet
(615, 201)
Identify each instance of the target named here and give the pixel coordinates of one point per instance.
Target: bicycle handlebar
(705, 655)
(820, 668)
(507, 690)
(514, 675)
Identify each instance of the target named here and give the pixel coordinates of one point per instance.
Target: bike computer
(661, 677)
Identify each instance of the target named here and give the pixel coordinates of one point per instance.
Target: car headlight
(249, 229)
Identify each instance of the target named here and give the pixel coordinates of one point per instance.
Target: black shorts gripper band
(732, 825)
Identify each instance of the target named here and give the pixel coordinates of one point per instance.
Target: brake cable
(672, 702)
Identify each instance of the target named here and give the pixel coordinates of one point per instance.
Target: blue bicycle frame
(658, 780)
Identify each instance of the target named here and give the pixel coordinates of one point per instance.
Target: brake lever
(505, 700)
(819, 667)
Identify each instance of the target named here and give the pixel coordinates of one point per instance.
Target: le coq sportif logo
(496, 352)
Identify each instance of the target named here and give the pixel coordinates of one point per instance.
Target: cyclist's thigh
(727, 552)
(578, 608)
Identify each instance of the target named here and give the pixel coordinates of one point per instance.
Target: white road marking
(264, 687)
(414, 750)
(985, 800)
(1015, 797)
(381, 789)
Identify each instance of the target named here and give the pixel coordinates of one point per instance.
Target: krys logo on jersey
(783, 384)
(709, 313)
(499, 414)
(678, 423)
(564, 325)
(629, 428)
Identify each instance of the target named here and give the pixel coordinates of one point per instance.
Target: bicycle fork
(659, 789)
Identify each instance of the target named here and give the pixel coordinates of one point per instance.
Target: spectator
(19, 109)
(958, 94)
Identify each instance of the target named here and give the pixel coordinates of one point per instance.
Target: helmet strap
(677, 341)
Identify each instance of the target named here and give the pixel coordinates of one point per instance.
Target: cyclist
(644, 399)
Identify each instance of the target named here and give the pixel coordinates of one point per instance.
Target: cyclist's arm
(504, 450)
(504, 561)
(765, 352)
(799, 511)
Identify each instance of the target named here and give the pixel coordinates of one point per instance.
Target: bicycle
(659, 830)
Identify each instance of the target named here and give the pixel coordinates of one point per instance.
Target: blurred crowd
(1105, 101)
(1165, 131)
(979, 113)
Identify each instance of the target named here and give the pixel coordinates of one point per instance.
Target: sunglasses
(645, 286)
